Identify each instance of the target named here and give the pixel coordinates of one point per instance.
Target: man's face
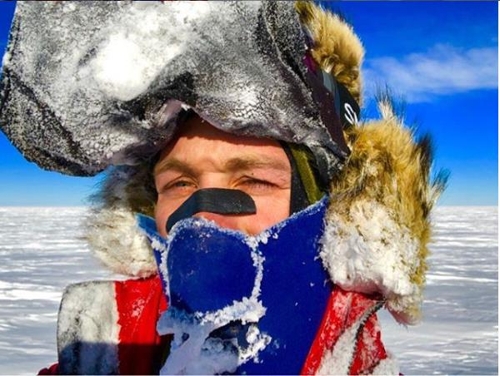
(204, 157)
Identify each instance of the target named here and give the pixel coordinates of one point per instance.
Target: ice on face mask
(229, 293)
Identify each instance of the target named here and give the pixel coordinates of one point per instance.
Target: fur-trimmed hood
(378, 224)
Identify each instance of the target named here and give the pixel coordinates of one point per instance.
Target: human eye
(177, 186)
(181, 184)
(255, 185)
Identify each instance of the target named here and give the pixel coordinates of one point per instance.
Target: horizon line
(89, 206)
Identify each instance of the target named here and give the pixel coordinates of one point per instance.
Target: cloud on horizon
(444, 70)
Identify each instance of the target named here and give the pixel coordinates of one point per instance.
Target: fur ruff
(378, 225)
(336, 49)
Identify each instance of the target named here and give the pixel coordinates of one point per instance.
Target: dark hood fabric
(87, 85)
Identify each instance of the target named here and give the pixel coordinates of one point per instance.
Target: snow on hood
(74, 114)
(85, 83)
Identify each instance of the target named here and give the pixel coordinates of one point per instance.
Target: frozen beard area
(42, 252)
(213, 308)
(230, 294)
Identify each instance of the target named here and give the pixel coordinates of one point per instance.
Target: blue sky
(441, 57)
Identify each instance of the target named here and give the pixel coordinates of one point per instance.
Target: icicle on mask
(240, 303)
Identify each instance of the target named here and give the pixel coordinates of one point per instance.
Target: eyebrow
(172, 164)
(236, 164)
(233, 164)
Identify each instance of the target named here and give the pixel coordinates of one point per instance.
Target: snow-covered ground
(41, 252)
(459, 331)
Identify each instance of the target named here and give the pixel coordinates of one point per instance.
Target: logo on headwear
(350, 115)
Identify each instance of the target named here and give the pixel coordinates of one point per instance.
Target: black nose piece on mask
(213, 200)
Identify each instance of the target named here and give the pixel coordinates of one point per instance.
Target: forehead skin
(197, 128)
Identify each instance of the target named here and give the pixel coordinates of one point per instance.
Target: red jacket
(348, 340)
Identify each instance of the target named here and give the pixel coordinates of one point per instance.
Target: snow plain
(41, 251)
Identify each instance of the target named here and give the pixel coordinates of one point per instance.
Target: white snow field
(41, 252)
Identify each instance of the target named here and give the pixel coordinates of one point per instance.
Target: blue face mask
(239, 303)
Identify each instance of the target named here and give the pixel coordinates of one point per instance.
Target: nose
(232, 222)
(224, 206)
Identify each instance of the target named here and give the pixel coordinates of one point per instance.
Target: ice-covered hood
(378, 222)
(89, 84)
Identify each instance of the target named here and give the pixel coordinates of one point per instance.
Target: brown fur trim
(336, 49)
(389, 173)
(387, 166)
